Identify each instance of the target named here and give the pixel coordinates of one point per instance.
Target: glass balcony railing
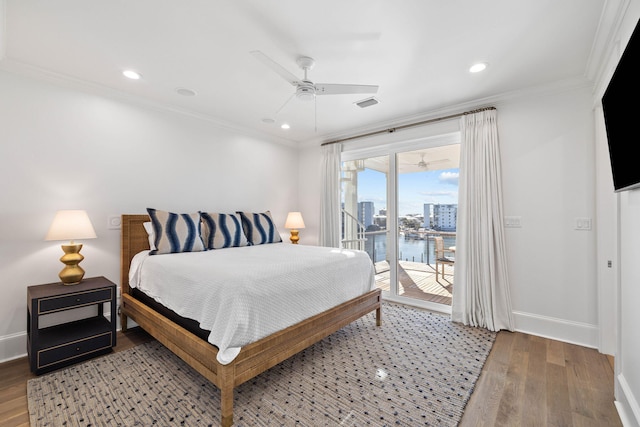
(417, 265)
(414, 246)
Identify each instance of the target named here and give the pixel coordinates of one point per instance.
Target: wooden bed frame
(254, 358)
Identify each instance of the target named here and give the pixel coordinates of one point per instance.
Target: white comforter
(244, 294)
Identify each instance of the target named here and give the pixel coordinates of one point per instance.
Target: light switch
(583, 224)
(513, 221)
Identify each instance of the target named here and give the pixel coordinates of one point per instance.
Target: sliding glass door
(396, 204)
(364, 209)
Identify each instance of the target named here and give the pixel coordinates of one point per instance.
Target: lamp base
(72, 273)
(294, 237)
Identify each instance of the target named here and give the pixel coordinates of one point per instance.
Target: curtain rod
(397, 128)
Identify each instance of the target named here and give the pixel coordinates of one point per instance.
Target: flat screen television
(621, 120)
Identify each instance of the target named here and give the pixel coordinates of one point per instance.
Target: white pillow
(148, 227)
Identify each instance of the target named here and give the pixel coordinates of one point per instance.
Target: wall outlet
(114, 222)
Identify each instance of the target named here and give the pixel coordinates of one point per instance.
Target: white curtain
(330, 196)
(481, 295)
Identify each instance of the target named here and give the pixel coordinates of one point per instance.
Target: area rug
(418, 368)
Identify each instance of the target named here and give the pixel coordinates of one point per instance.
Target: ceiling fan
(306, 90)
(422, 164)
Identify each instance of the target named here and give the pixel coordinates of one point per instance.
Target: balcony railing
(353, 232)
(416, 259)
(409, 247)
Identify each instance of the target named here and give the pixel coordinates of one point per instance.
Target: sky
(415, 189)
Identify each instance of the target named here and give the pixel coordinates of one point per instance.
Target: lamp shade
(294, 220)
(71, 225)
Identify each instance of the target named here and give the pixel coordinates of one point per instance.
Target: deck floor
(418, 280)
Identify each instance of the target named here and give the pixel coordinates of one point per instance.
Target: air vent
(185, 92)
(367, 102)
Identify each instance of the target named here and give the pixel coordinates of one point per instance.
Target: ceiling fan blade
(338, 89)
(284, 73)
(285, 103)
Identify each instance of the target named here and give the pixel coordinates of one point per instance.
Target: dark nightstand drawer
(49, 305)
(68, 342)
(72, 350)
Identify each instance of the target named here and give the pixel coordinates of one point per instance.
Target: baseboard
(626, 404)
(13, 346)
(579, 333)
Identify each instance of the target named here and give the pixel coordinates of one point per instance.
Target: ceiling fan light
(306, 92)
(306, 96)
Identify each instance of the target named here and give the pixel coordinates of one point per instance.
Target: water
(409, 250)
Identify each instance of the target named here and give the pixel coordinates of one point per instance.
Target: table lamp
(294, 221)
(71, 225)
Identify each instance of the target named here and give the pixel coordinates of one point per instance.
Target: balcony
(416, 259)
(418, 280)
(417, 264)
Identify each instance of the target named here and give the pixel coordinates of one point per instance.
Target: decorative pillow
(175, 232)
(222, 230)
(148, 227)
(259, 228)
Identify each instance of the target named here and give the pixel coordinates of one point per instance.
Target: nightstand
(66, 343)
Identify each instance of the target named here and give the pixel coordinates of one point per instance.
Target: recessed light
(285, 126)
(133, 75)
(476, 68)
(185, 92)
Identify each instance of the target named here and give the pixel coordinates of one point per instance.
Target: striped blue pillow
(259, 228)
(222, 230)
(175, 232)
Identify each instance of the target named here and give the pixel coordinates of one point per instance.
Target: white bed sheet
(244, 294)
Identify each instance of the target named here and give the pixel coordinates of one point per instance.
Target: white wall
(628, 359)
(627, 268)
(548, 159)
(65, 149)
(547, 147)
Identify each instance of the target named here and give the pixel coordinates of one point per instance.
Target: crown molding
(494, 100)
(3, 29)
(606, 40)
(69, 82)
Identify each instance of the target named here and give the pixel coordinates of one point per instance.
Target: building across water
(441, 217)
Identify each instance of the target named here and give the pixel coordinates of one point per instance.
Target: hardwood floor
(533, 381)
(526, 381)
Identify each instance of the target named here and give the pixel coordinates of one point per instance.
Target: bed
(253, 358)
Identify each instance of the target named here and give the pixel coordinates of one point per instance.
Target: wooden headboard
(133, 239)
